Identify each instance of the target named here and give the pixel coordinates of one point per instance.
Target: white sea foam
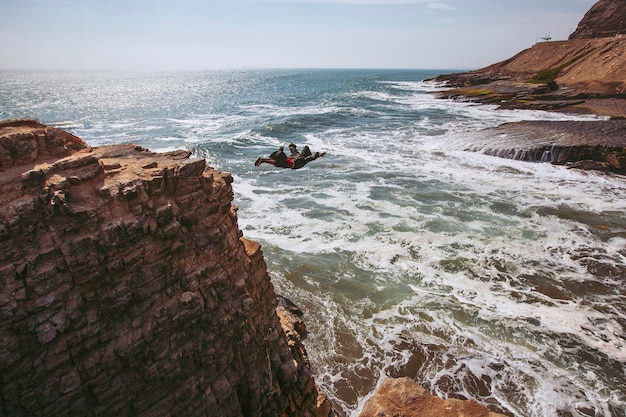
(477, 276)
(400, 234)
(421, 86)
(404, 241)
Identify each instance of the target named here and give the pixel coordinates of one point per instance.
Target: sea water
(478, 277)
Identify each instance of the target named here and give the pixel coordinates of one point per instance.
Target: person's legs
(305, 152)
(260, 161)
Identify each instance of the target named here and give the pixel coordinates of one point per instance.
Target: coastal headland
(585, 74)
(127, 288)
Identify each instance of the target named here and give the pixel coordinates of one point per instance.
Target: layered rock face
(597, 145)
(127, 289)
(606, 18)
(564, 72)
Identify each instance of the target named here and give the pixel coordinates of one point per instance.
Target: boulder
(403, 397)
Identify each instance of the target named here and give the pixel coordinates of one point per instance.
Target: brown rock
(553, 74)
(26, 141)
(126, 288)
(602, 144)
(606, 18)
(402, 397)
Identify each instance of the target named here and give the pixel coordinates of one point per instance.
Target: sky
(256, 34)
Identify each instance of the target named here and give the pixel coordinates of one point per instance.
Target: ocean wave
(479, 277)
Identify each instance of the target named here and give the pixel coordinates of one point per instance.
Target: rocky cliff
(591, 64)
(560, 74)
(586, 74)
(606, 18)
(127, 289)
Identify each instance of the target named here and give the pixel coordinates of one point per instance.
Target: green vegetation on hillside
(549, 75)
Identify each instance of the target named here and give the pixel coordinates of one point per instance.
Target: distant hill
(586, 73)
(579, 67)
(551, 75)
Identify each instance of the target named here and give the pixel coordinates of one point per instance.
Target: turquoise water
(479, 277)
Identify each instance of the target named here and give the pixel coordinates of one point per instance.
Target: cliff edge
(127, 289)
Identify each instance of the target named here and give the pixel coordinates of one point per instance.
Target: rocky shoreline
(584, 75)
(589, 145)
(127, 288)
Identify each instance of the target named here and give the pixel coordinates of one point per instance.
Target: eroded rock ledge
(588, 145)
(126, 288)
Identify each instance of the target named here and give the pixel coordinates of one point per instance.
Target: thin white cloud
(436, 6)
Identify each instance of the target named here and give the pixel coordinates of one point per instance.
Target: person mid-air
(295, 161)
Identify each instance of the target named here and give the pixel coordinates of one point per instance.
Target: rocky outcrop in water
(403, 397)
(599, 145)
(127, 289)
(606, 18)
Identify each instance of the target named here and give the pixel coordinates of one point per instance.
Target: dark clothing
(300, 159)
(281, 159)
(297, 159)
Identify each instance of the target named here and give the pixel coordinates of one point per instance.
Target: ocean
(478, 277)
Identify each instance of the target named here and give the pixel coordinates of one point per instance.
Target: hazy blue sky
(207, 34)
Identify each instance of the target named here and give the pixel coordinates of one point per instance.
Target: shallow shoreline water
(479, 277)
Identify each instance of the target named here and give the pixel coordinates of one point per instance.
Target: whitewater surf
(476, 276)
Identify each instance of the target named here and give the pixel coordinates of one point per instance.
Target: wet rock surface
(402, 397)
(590, 145)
